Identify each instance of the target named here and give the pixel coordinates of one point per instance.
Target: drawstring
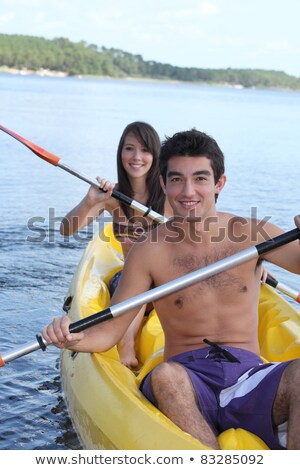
(226, 354)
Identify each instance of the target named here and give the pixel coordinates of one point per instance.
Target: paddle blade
(39, 151)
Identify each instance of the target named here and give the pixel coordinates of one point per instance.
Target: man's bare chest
(186, 261)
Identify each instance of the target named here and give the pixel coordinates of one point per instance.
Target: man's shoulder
(249, 228)
(233, 222)
(230, 217)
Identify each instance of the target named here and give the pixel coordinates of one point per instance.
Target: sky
(217, 34)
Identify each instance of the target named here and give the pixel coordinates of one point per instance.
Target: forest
(79, 58)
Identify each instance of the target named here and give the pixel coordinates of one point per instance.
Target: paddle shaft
(283, 288)
(56, 161)
(162, 291)
(21, 351)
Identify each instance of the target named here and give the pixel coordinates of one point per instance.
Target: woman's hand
(96, 195)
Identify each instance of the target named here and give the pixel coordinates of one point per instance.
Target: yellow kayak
(106, 407)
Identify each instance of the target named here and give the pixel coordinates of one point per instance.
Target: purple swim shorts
(235, 389)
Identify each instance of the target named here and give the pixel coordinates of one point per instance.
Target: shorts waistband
(216, 352)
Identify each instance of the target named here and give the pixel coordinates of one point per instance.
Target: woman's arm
(91, 206)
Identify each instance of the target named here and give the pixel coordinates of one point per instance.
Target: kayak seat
(239, 439)
(150, 338)
(279, 327)
(149, 345)
(156, 358)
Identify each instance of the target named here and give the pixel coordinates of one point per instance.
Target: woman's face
(136, 159)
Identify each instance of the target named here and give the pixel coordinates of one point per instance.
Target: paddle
(161, 291)
(56, 161)
(283, 288)
(147, 212)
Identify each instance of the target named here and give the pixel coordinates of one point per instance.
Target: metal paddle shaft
(27, 348)
(56, 161)
(164, 290)
(283, 288)
(145, 211)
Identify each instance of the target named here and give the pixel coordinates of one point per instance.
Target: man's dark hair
(192, 143)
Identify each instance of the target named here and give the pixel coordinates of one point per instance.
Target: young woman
(138, 178)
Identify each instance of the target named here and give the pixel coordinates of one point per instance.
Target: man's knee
(289, 385)
(168, 376)
(163, 372)
(291, 376)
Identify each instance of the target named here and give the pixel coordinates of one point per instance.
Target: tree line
(80, 58)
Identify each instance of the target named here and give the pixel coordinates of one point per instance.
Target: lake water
(81, 120)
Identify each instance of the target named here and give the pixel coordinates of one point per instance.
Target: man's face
(190, 186)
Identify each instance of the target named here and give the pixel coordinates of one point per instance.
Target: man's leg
(287, 403)
(175, 397)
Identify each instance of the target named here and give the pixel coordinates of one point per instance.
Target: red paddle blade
(39, 151)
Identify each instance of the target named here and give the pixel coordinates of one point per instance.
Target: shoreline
(42, 72)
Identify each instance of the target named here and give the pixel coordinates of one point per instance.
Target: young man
(212, 378)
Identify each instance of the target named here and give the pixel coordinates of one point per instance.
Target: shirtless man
(212, 377)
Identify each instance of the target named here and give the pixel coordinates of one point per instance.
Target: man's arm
(135, 279)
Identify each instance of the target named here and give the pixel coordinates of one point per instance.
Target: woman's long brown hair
(148, 137)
